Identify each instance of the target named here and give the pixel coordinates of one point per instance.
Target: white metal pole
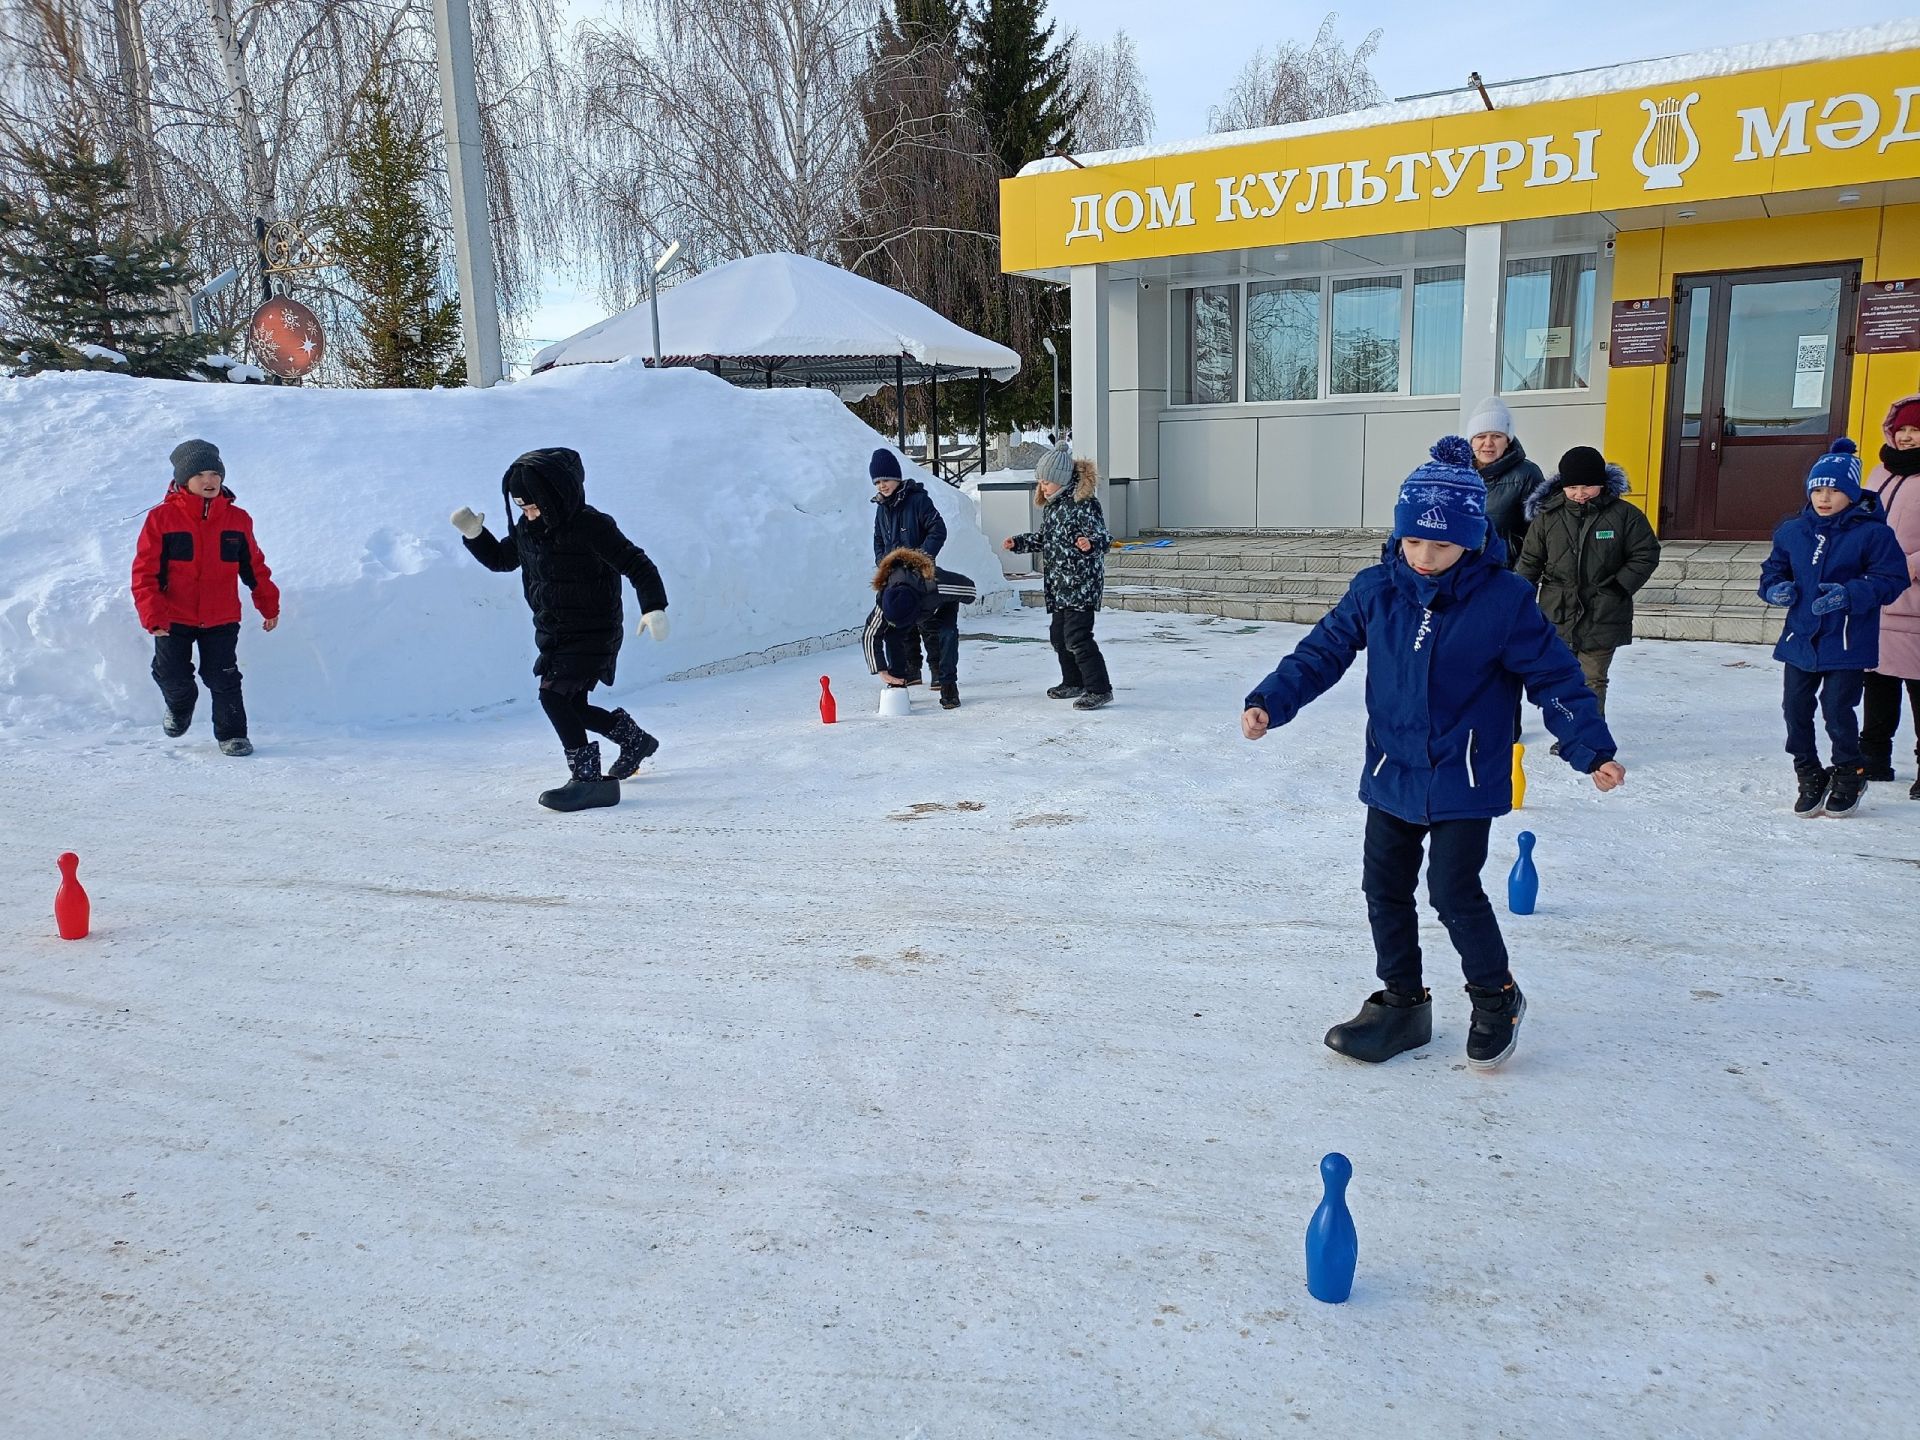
(467, 187)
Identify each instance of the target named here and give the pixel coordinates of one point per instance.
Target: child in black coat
(571, 558)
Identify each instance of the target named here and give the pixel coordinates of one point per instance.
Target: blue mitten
(1832, 597)
(1781, 592)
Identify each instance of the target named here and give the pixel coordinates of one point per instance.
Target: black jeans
(173, 673)
(572, 713)
(1882, 714)
(1838, 693)
(1456, 852)
(898, 651)
(1081, 662)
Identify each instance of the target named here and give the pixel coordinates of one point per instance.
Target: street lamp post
(1046, 343)
(653, 294)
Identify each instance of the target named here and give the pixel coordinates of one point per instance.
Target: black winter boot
(1386, 1025)
(950, 696)
(1065, 692)
(176, 723)
(635, 745)
(1496, 1025)
(1849, 784)
(238, 745)
(1879, 757)
(587, 790)
(1093, 700)
(1814, 780)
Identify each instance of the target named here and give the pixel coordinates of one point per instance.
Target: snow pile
(754, 504)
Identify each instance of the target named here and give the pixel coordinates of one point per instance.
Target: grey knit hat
(190, 457)
(1056, 466)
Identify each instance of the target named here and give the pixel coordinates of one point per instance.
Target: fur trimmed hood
(1544, 492)
(917, 561)
(1086, 484)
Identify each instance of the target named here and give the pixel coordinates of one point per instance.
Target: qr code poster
(1810, 372)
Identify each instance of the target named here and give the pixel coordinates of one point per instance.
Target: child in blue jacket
(1451, 635)
(1833, 565)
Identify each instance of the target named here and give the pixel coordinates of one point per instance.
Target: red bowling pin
(829, 712)
(71, 912)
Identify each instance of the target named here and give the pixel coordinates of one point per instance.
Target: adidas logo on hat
(1432, 520)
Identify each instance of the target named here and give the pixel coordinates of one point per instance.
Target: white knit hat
(1491, 416)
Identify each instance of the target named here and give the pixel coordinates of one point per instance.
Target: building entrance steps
(1703, 590)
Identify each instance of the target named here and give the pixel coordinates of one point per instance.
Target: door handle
(1719, 428)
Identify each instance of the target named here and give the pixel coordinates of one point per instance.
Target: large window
(1283, 340)
(1364, 358)
(1546, 328)
(1206, 328)
(1384, 332)
(1439, 310)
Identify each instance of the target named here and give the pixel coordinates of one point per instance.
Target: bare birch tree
(733, 126)
(1116, 109)
(1294, 82)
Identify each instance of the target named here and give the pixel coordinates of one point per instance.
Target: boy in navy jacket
(1451, 635)
(1833, 565)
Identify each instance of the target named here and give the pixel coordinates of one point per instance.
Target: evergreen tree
(1019, 81)
(79, 283)
(409, 331)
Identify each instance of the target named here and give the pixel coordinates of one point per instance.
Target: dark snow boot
(1093, 700)
(1879, 758)
(238, 745)
(587, 790)
(950, 696)
(1849, 784)
(1496, 1025)
(176, 723)
(1065, 692)
(1386, 1025)
(1814, 780)
(635, 745)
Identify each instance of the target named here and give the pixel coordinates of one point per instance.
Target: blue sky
(1191, 52)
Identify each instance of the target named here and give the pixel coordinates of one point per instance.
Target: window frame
(1325, 280)
(1552, 252)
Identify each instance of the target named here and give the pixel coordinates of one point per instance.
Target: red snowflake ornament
(287, 338)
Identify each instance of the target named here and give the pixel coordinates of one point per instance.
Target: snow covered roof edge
(1572, 85)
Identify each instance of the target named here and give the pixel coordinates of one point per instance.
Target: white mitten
(654, 623)
(468, 523)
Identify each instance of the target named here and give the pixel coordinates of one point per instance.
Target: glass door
(1758, 390)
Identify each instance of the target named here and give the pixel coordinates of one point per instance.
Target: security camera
(1608, 247)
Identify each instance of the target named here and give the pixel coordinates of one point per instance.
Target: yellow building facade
(1708, 266)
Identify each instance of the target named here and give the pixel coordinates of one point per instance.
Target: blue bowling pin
(1523, 881)
(1332, 1246)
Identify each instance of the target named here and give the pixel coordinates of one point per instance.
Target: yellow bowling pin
(1519, 776)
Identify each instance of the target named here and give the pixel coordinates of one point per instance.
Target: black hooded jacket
(570, 562)
(1509, 481)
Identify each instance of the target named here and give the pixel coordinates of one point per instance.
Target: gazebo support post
(933, 376)
(983, 421)
(900, 398)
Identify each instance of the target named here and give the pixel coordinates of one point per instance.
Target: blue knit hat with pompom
(1445, 499)
(1838, 469)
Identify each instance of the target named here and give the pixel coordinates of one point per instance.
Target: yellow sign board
(1799, 127)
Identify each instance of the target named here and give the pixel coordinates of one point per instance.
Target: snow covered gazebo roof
(789, 320)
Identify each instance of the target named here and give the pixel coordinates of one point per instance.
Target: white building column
(1480, 330)
(1092, 395)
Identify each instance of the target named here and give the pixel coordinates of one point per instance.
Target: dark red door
(1758, 390)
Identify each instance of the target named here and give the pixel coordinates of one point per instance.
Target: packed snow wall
(754, 504)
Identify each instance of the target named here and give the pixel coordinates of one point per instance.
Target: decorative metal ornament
(290, 250)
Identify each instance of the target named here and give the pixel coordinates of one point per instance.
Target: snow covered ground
(956, 1076)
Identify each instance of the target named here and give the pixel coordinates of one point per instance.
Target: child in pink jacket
(1897, 479)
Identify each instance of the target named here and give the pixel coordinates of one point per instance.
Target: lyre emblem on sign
(1667, 130)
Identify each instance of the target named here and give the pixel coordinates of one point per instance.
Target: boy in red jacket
(195, 545)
